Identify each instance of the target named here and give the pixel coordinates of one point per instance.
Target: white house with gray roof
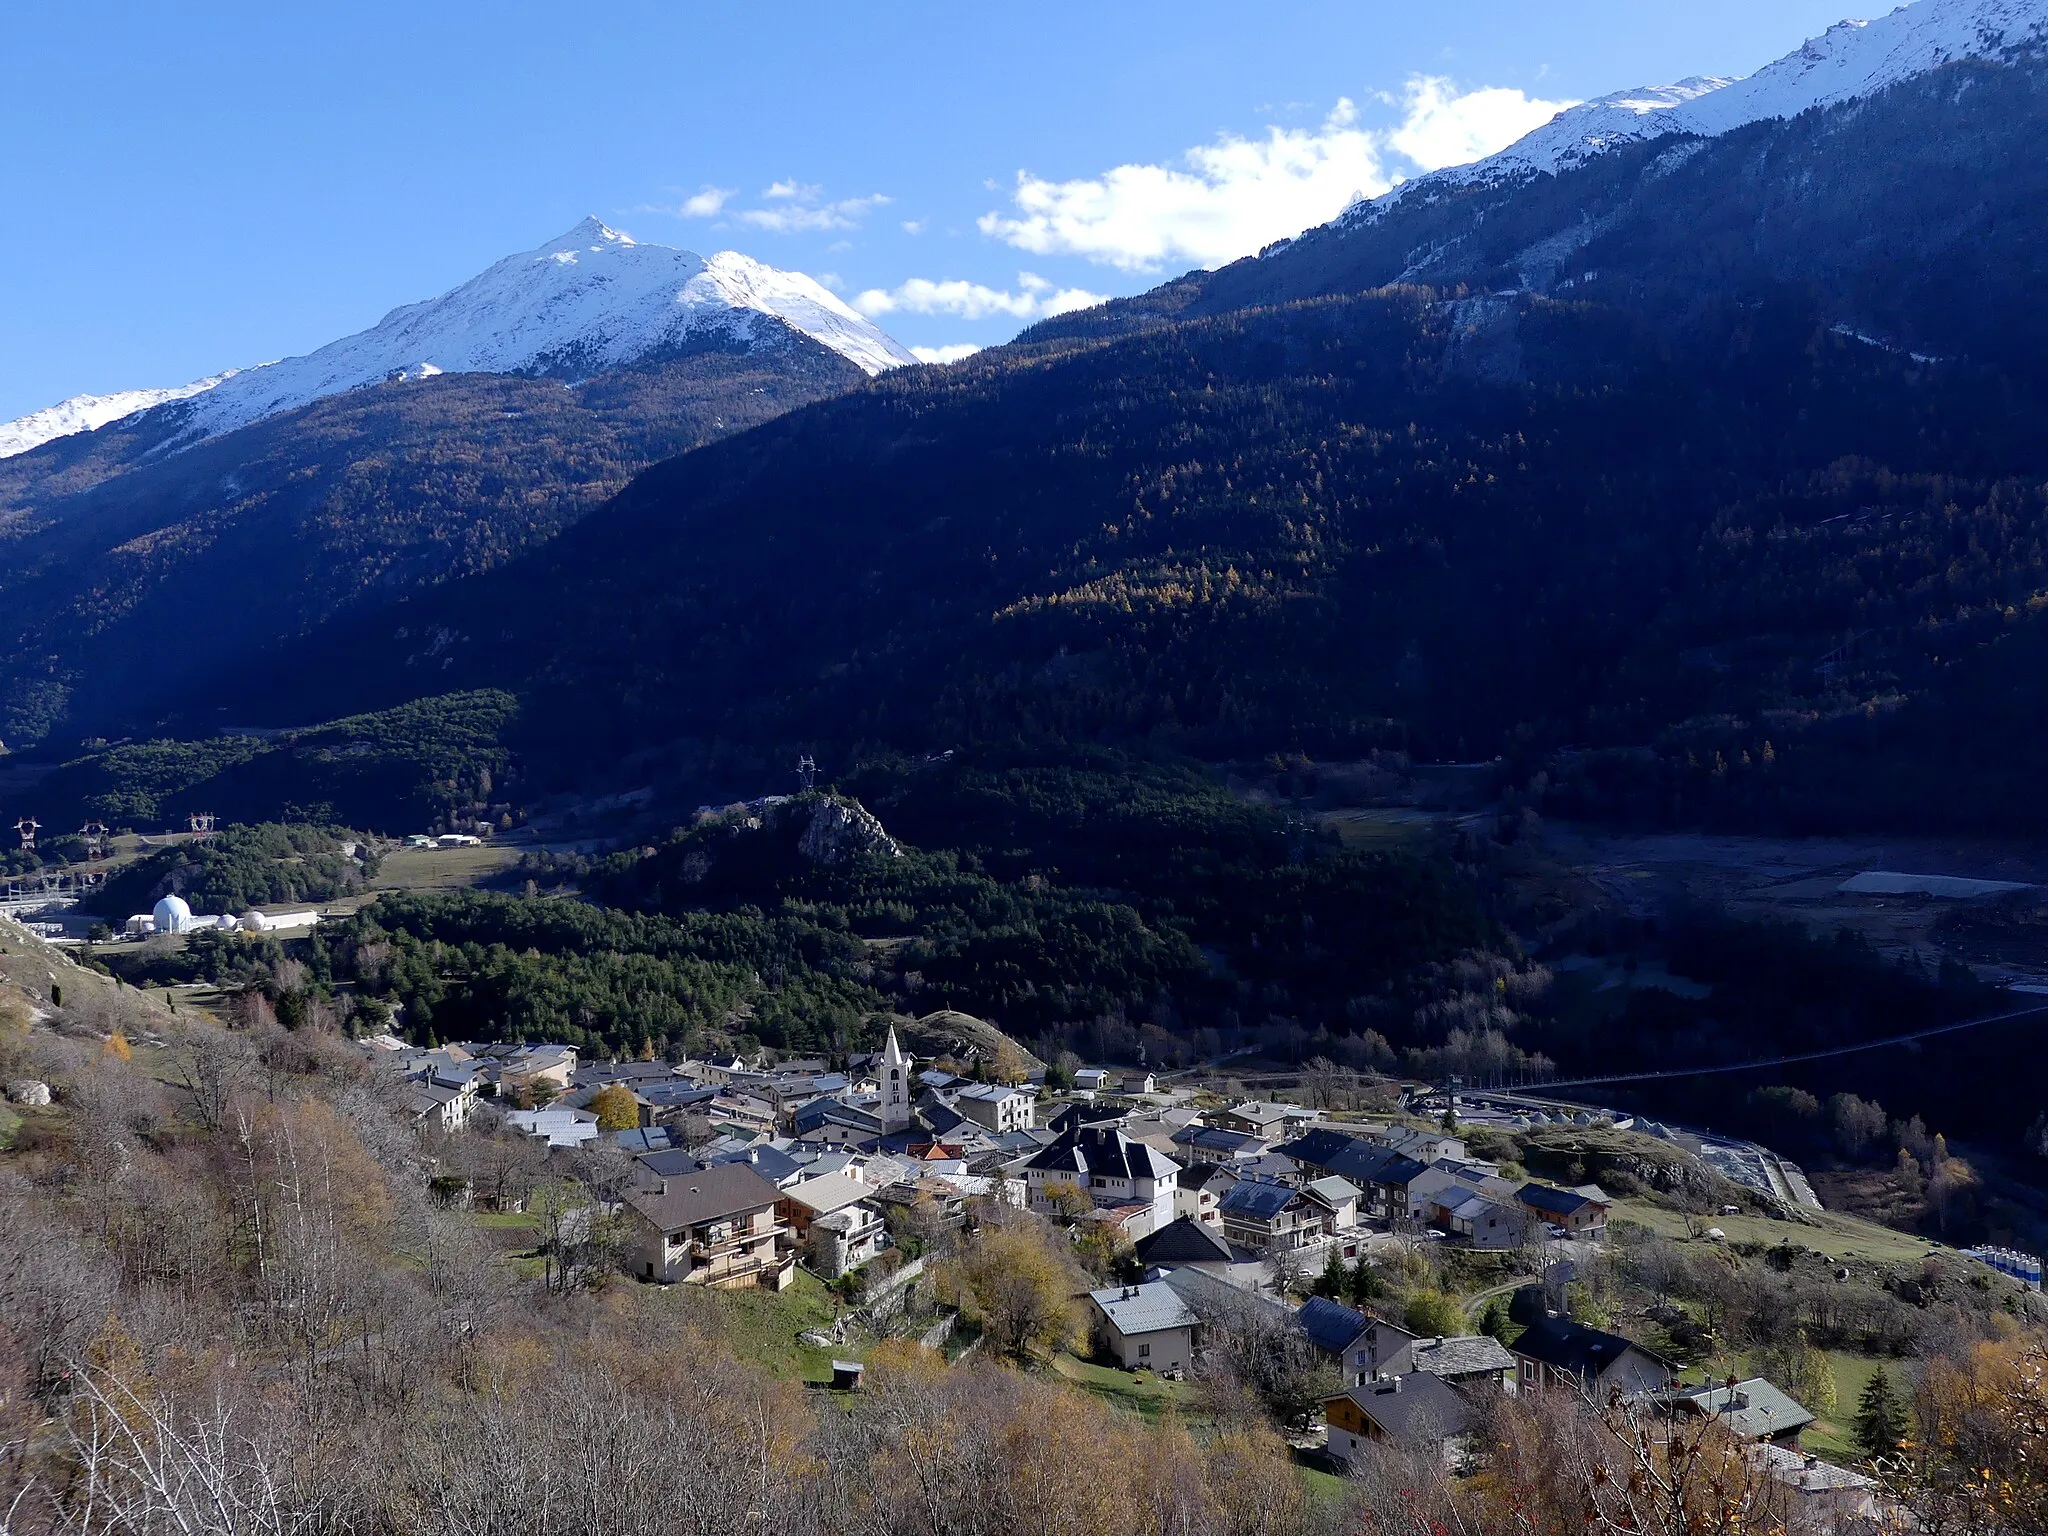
(1148, 1327)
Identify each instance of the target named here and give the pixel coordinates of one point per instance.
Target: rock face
(840, 830)
(29, 1091)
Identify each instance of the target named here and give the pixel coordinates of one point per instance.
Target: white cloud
(951, 354)
(799, 209)
(913, 226)
(1442, 127)
(707, 204)
(1035, 299)
(1227, 199)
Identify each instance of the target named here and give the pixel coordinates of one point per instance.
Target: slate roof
(1455, 1359)
(726, 1190)
(772, 1163)
(1755, 1410)
(1808, 1473)
(1352, 1157)
(1572, 1347)
(1105, 1153)
(669, 1164)
(677, 1094)
(1150, 1308)
(1330, 1325)
(834, 1112)
(1211, 1142)
(1185, 1241)
(1198, 1175)
(1412, 1410)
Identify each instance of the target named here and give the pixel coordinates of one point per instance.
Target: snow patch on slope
(88, 413)
(1851, 59)
(591, 300)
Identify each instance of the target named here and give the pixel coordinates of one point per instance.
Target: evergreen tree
(1880, 1417)
(1335, 1278)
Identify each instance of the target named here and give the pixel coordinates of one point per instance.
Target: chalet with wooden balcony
(710, 1226)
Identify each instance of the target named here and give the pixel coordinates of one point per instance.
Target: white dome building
(172, 915)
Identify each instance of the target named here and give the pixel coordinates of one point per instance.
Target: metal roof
(1755, 1408)
(1149, 1308)
(1260, 1201)
(1331, 1325)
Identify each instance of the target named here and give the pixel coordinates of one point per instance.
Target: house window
(1144, 1351)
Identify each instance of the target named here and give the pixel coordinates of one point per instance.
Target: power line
(1785, 1061)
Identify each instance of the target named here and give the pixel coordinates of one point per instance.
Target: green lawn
(1839, 1237)
(1141, 1392)
(504, 1221)
(1833, 1436)
(762, 1327)
(10, 1122)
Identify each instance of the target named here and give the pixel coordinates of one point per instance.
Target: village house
(1484, 1223)
(1254, 1118)
(1185, 1240)
(1752, 1409)
(1474, 1364)
(1338, 1198)
(1416, 1413)
(1269, 1218)
(806, 1200)
(1362, 1348)
(1429, 1190)
(1576, 1212)
(1091, 1079)
(1811, 1495)
(1380, 1174)
(1199, 1189)
(718, 1228)
(1110, 1171)
(997, 1106)
(1557, 1352)
(844, 1239)
(1148, 1327)
(1425, 1146)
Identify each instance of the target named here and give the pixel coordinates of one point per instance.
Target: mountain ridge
(1852, 59)
(591, 300)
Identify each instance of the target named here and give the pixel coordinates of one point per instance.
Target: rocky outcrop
(843, 829)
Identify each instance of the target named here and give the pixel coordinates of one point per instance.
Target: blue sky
(187, 188)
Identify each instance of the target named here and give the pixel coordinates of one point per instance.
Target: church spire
(895, 1074)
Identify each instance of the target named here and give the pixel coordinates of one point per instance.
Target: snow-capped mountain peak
(88, 413)
(590, 300)
(1849, 60)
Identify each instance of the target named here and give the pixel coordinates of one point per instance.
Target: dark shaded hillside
(1914, 217)
(1460, 529)
(127, 575)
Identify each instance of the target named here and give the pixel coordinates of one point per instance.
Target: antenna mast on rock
(807, 770)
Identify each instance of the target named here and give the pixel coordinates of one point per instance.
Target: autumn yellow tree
(1016, 1282)
(616, 1108)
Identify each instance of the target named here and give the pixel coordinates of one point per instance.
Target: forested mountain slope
(1457, 528)
(129, 573)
